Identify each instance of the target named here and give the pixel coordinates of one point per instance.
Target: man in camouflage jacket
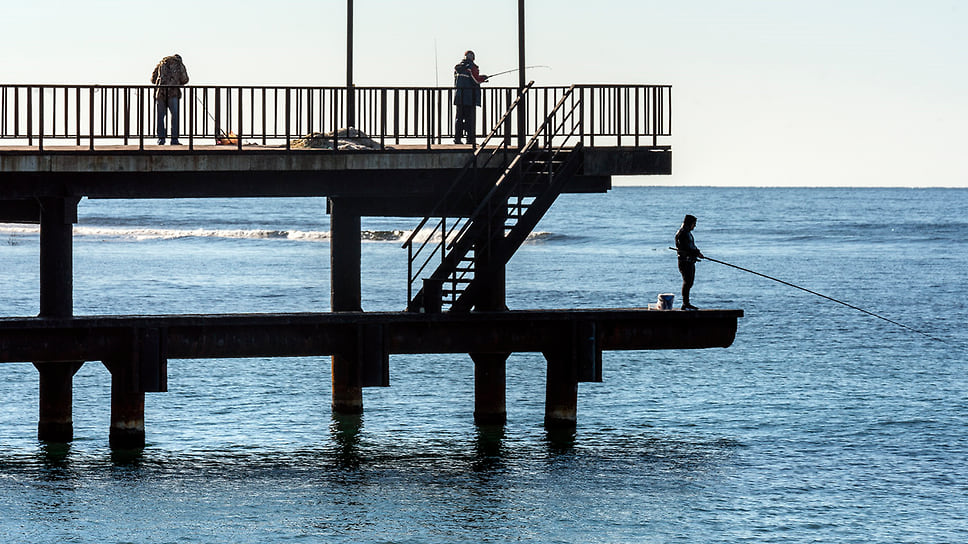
(168, 76)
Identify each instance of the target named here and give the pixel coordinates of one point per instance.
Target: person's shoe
(688, 306)
(457, 141)
(161, 141)
(175, 142)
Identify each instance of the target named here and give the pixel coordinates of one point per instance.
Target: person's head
(177, 56)
(469, 55)
(689, 221)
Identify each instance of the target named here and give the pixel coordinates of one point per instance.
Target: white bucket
(665, 301)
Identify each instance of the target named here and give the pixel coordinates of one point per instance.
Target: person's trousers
(164, 106)
(688, 270)
(465, 124)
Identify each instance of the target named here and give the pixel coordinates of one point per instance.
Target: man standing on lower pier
(688, 255)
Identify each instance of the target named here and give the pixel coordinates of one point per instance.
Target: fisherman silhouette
(467, 97)
(688, 255)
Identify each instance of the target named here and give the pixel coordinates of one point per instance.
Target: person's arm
(475, 73)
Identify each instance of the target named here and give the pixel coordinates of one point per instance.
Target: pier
(472, 208)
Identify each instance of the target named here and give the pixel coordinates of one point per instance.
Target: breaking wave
(150, 233)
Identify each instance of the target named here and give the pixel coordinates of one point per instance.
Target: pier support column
(490, 385)
(345, 296)
(57, 218)
(561, 390)
(490, 369)
(56, 423)
(127, 407)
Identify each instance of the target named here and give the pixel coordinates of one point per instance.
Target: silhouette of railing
(88, 116)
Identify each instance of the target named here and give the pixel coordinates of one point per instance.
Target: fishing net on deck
(346, 139)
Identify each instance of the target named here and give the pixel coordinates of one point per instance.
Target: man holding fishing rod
(688, 255)
(467, 81)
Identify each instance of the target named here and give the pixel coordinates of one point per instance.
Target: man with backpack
(168, 76)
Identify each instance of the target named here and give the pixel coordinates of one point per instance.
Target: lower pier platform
(136, 349)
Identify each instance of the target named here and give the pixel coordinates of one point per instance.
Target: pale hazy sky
(765, 92)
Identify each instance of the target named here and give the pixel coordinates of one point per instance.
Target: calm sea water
(820, 423)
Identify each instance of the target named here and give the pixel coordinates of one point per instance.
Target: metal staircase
(514, 202)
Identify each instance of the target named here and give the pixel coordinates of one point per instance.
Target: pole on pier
(522, 79)
(350, 95)
(57, 218)
(345, 296)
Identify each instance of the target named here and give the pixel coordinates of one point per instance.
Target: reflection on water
(345, 430)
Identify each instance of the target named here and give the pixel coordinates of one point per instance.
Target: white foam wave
(431, 236)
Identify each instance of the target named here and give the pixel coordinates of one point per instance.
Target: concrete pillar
(57, 218)
(490, 386)
(56, 422)
(345, 296)
(127, 407)
(561, 390)
(490, 369)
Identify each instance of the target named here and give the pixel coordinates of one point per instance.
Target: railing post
(265, 128)
(430, 119)
(288, 135)
(218, 112)
(127, 113)
(238, 135)
(91, 117)
(30, 116)
(40, 111)
(141, 118)
(190, 125)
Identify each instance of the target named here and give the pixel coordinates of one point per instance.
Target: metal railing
(560, 131)
(88, 116)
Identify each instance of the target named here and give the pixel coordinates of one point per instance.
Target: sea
(821, 423)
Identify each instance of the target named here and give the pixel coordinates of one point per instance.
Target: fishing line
(516, 69)
(823, 296)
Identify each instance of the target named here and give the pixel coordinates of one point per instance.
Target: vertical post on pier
(522, 80)
(57, 218)
(345, 296)
(350, 95)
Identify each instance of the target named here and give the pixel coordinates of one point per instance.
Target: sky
(765, 92)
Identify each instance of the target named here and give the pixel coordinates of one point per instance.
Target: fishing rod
(822, 296)
(517, 69)
(220, 134)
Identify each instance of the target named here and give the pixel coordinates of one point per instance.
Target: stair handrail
(517, 159)
(471, 164)
(555, 126)
(550, 128)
